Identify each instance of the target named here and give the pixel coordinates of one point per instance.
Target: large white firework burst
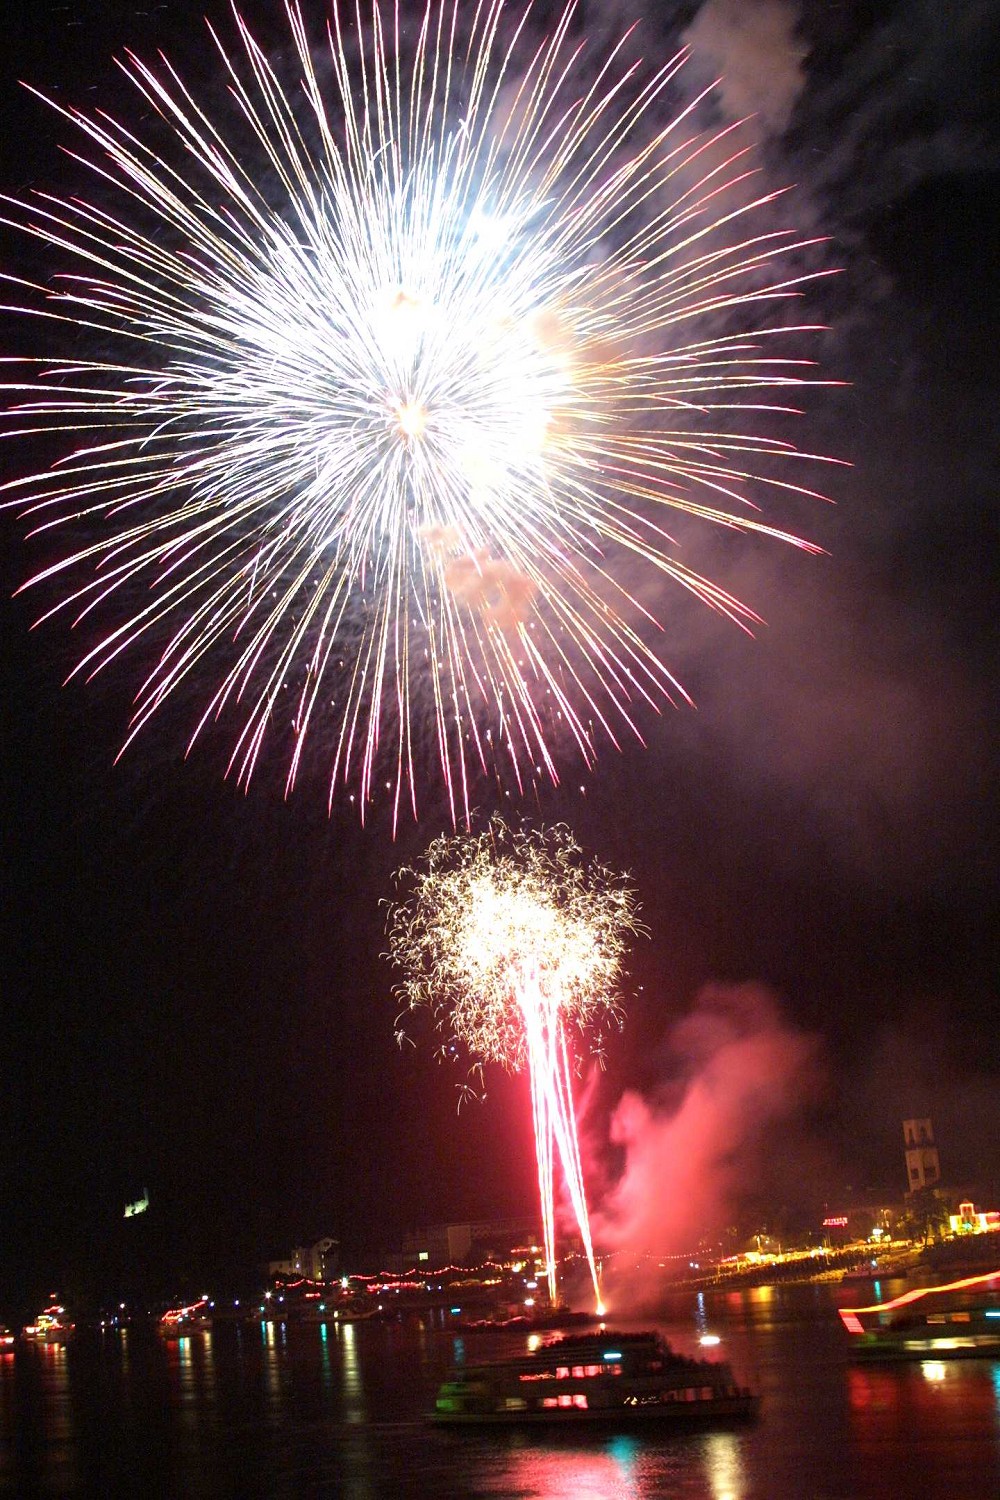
(389, 377)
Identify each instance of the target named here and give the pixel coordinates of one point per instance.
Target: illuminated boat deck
(953, 1318)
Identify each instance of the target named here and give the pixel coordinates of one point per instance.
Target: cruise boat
(620, 1379)
(952, 1320)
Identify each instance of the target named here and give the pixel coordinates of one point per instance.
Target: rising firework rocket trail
(517, 946)
(401, 362)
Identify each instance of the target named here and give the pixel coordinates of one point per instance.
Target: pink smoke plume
(698, 1143)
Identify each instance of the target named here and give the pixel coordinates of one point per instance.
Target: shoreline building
(317, 1262)
(469, 1244)
(923, 1165)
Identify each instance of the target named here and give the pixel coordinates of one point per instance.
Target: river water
(338, 1411)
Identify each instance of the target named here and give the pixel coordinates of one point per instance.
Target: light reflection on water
(325, 1365)
(932, 1417)
(589, 1474)
(190, 1369)
(338, 1410)
(723, 1462)
(359, 1463)
(273, 1348)
(354, 1390)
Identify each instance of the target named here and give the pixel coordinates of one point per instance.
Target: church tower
(923, 1169)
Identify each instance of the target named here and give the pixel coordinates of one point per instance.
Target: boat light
(709, 1340)
(612, 1354)
(993, 1312)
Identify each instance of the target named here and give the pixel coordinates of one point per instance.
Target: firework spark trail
(554, 1120)
(514, 944)
(373, 440)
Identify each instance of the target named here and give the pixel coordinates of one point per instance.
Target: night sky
(193, 998)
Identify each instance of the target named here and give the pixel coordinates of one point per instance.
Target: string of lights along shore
(380, 372)
(516, 944)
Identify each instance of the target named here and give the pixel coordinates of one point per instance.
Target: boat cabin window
(577, 1372)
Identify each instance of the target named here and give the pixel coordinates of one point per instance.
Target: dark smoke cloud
(897, 96)
(867, 700)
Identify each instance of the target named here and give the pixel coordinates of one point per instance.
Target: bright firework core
(402, 370)
(517, 946)
(412, 419)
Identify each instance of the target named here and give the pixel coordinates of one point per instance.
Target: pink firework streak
(515, 943)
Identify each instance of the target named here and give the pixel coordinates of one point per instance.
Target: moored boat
(545, 1322)
(950, 1320)
(50, 1327)
(182, 1322)
(619, 1379)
